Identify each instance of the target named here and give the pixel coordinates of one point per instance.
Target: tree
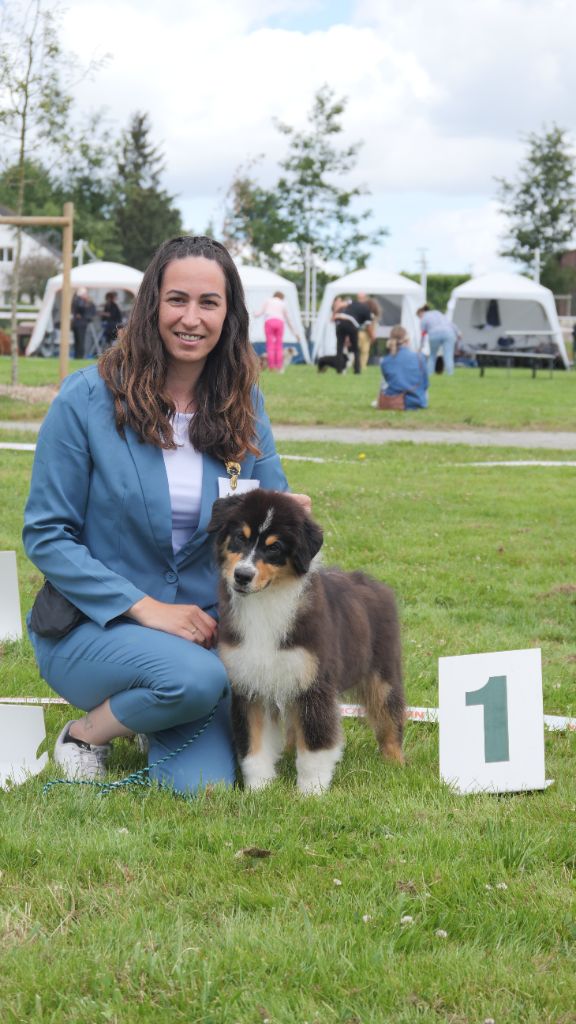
(144, 212)
(34, 273)
(41, 192)
(35, 100)
(439, 287)
(254, 227)
(541, 203)
(89, 180)
(307, 207)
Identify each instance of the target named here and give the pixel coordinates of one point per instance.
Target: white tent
(98, 278)
(260, 285)
(506, 305)
(101, 277)
(398, 296)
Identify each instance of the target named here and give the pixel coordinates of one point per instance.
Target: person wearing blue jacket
(404, 372)
(130, 458)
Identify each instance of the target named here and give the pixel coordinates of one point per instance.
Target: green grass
(134, 908)
(502, 400)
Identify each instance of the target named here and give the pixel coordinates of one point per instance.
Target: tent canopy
(260, 285)
(398, 296)
(496, 305)
(98, 278)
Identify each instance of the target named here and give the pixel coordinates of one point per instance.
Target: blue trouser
(158, 684)
(446, 341)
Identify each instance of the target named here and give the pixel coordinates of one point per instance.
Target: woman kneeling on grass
(404, 373)
(127, 466)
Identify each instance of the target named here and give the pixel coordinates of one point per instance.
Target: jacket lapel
(149, 463)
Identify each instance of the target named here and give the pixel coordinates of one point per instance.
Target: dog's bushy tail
(382, 692)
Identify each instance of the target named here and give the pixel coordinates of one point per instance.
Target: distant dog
(326, 362)
(288, 354)
(293, 635)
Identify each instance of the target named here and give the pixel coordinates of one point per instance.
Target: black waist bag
(53, 615)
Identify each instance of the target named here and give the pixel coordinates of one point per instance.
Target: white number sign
(10, 619)
(22, 731)
(491, 722)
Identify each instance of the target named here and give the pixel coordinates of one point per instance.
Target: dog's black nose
(244, 574)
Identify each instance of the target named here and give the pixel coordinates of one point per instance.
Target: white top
(274, 309)
(184, 472)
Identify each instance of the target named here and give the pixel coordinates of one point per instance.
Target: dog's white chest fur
(258, 666)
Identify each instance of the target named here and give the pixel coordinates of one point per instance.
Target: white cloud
(473, 234)
(438, 92)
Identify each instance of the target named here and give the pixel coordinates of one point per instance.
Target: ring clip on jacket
(233, 469)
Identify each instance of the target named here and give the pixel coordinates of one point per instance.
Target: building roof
(38, 236)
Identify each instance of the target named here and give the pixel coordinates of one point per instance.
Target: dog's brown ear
(221, 511)
(310, 542)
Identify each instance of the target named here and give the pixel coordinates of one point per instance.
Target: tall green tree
(88, 179)
(144, 212)
(309, 206)
(254, 226)
(41, 191)
(35, 89)
(541, 202)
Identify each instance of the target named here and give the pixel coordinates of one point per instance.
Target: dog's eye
(276, 548)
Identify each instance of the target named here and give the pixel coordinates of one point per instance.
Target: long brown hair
(135, 368)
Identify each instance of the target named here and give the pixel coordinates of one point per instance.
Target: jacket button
(171, 577)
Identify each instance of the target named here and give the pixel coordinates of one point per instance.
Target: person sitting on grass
(404, 372)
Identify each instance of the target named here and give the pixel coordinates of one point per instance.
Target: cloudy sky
(441, 93)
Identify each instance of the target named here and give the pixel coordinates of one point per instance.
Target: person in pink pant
(275, 315)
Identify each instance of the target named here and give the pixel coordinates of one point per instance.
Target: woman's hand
(302, 499)
(185, 620)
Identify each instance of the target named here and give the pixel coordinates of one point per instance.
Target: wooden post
(66, 297)
(67, 224)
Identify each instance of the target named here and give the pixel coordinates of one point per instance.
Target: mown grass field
(136, 908)
(500, 400)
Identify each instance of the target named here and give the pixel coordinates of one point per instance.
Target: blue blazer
(98, 521)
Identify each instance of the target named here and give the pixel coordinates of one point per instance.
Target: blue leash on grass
(140, 777)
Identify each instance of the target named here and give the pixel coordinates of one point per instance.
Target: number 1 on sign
(494, 698)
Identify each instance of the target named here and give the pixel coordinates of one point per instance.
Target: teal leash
(140, 777)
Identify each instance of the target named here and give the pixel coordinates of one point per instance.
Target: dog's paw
(315, 768)
(312, 787)
(257, 772)
(258, 782)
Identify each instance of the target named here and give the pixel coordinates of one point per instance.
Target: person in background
(83, 312)
(441, 334)
(348, 319)
(367, 332)
(130, 458)
(111, 317)
(333, 361)
(275, 313)
(404, 372)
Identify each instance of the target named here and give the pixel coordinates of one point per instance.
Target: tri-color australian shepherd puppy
(293, 635)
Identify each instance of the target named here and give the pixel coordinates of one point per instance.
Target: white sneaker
(80, 762)
(374, 404)
(142, 742)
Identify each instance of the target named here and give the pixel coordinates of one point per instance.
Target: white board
(491, 721)
(10, 618)
(22, 730)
